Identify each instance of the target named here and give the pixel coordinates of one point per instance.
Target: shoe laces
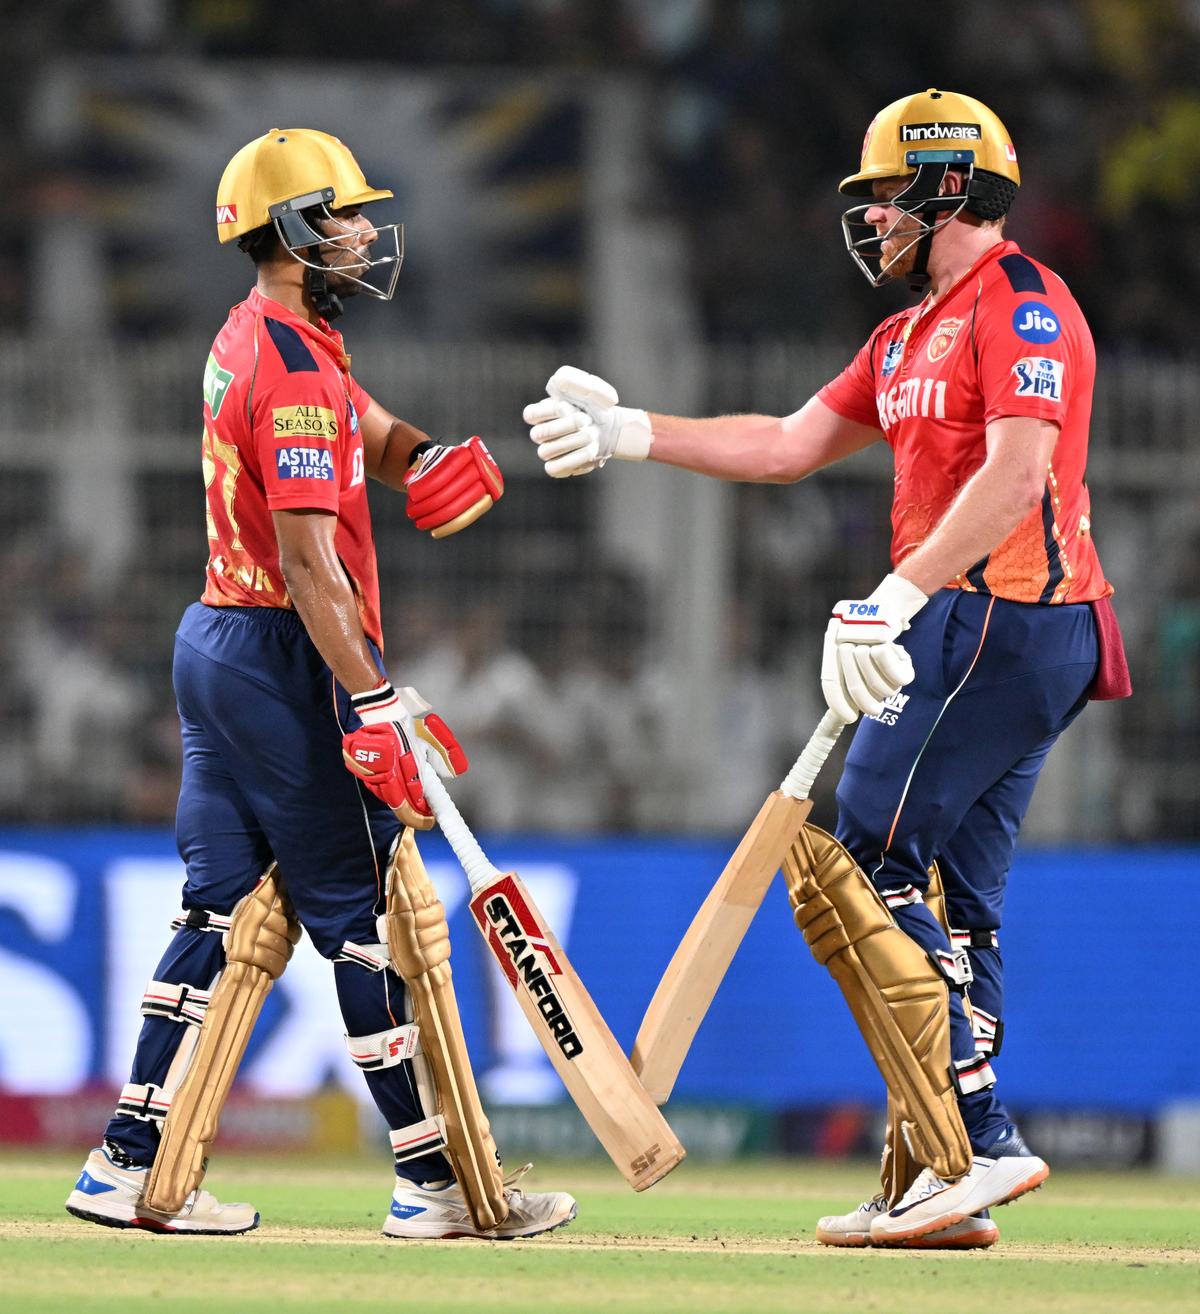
(510, 1183)
(927, 1183)
(876, 1205)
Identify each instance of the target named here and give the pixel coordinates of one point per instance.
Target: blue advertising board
(1099, 947)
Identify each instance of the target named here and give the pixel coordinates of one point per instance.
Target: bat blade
(584, 1052)
(706, 950)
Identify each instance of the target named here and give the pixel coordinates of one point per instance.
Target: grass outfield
(708, 1238)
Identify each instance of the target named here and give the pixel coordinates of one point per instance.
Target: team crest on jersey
(1038, 376)
(891, 358)
(943, 338)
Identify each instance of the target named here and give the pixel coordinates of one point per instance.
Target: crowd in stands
(760, 107)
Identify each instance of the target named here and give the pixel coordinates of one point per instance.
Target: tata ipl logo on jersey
(1036, 322)
(943, 338)
(1038, 376)
(891, 358)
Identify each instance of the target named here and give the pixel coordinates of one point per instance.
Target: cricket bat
(706, 950)
(584, 1052)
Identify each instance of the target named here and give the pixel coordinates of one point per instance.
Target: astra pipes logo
(525, 957)
(940, 132)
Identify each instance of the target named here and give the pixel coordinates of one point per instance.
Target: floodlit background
(646, 188)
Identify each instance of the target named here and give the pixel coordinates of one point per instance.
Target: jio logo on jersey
(1035, 322)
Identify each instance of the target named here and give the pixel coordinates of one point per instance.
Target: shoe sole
(155, 1228)
(943, 1221)
(979, 1239)
(844, 1239)
(480, 1236)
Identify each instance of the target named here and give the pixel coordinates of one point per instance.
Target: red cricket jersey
(1007, 339)
(281, 431)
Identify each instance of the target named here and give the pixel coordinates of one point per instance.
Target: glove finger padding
(853, 662)
(582, 440)
(378, 755)
(578, 386)
(447, 757)
(869, 660)
(894, 665)
(831, 679)
(550, 418)
(451, 487)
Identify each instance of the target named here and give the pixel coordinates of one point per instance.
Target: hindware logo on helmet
(940, 132)
(227, 214)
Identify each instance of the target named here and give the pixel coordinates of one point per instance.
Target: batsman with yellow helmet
(301, 761)
(984, 642)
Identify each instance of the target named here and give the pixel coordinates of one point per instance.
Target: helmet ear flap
(297, 227)
(990, 196)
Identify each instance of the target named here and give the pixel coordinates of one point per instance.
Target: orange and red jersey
(281, 431)
(1007, 339)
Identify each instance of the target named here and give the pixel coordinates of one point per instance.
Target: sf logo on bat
(523, 953)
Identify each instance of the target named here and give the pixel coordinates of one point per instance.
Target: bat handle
(799, 780)
(466, 847)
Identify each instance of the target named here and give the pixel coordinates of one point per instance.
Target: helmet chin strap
(326, 303)
(918, 276)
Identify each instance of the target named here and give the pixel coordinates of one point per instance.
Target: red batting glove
(398, 733)
(449, 488)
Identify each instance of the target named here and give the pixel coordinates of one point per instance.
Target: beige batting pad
(419, 941)
(897, 997)
(258, 944)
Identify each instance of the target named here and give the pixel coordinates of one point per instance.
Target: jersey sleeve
(297, 425)
(852, 393)
(1029, 345)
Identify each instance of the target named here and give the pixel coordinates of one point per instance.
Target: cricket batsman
(300, 759)
(983, 391)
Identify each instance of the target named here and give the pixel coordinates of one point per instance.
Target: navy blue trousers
(263, 779)
(946, 773)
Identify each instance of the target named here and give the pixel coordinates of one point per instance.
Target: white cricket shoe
(441, 1212)
(932, 1204)
(854, 1229)
(112, 1196)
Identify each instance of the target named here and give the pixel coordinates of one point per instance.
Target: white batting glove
(862, 664)
(579, 426)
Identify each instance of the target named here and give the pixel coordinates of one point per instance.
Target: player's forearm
(324, 601)
(750, 448)
(989, 507)
(396, 453)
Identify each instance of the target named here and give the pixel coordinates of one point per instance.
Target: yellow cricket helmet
(922, 138)
(929, 126)
(293, 179)
(287, 170)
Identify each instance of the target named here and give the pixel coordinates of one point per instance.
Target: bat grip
(466, 847)
(799, 780)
